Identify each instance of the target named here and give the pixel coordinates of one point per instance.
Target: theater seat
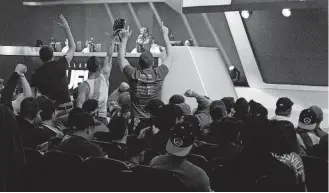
(112, 150)
(316, 171)
(108, 175)
(32, 173)
(64, 172)
(157, 180)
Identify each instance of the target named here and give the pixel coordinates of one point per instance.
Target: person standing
(50, 79)
(145, 83)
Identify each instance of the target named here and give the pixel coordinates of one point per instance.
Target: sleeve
(63, 63)
(114, 96)
(34, 80)
(9, 90)
(162, 71)
(204, 183)
(130, 72)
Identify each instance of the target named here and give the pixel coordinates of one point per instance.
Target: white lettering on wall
(77, 77)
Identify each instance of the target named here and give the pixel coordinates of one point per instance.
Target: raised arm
(72, 46)
(169, 56)
(107, 67)
(124, 34)
(83, 90)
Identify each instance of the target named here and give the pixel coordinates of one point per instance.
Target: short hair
(47, 108)
(241, 107)
(284, 139)
(29, 108)
(282, 113)
(46, 53)
(118, 127)
(90, 105)
(176, 99)
(153, 105)
(227, 129)
(166, 116)
(146, 60)
(217, 110)
(93, 64)
(229, 103)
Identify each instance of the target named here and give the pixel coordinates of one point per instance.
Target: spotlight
(286, 12)
(245, 14)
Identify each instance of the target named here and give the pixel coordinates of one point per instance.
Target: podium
(200, 69)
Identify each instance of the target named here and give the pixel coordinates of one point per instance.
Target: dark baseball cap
(80, 120)
(307, 119)
(183, 137)
(319, 113)
(146, 59)
(284, 104)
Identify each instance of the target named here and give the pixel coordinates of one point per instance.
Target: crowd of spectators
(222, 145)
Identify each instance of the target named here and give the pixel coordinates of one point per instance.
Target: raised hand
(125, 33)
(189, 93)
(164, 30)
(20, 68)
(63, 23)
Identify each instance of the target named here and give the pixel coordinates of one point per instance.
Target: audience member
(320, 150)
(319, 118)
(116, 93)
(178, 147)
(50, 79)
(91, 106)
(146, 83)
(186, 109)
(176, 99)
(79, 143)
(283, 109)
(285, 149)
(118, 131)
(241, 108)
(229, 105)
(305, 130)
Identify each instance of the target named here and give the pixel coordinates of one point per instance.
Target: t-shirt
(80, 146)
(194, 178)
(51, 80)
(295, 162)
(145, 85)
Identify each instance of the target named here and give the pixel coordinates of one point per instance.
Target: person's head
(307, 119)
(217, 110)
(91, 106)
(153, 105)
(81, 123)
(319, 115)
(93, 64)
(229, 105)
(167, 116)
(284, 107)
(241, 107)
(118, 128)
(30, 109)
(257, 110)
(144, 31)
(186, 109)
(188, 42)
(124, 99)
(176, 99)
(284, 139)
(182, 138)
(146, 60)
(47, 110)
(227, 130)
(46, 53)
(124, 87)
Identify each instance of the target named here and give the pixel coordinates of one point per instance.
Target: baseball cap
(80, 120)
(319, 113)
(146, 59)
(307, 119)
(186, 109)
(284, 104)
(182, 138)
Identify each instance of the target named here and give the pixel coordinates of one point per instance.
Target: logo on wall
(76, 75)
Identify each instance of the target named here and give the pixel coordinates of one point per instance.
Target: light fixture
(286, 12)
(245, 14)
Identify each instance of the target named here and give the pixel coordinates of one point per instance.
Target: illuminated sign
(76, 75)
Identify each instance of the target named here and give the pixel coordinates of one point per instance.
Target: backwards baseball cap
(182, 138)
(80, 120)
(186, 109)
(284, 104)
(319, 113)
(146, 59)
(307, 119)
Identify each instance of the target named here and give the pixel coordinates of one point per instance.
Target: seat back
(316, 172)
(199, 161)
(108, 175)
(112, 150)
(32, 171)
(157, 180)
(64, 172)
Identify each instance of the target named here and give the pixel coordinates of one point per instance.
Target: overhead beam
(81, 2)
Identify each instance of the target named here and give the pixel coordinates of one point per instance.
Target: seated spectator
(134, 149)
(229, 105)
(91, 106)
(202, 111)
(217, 112)
(28, 121)
(320, 150)
(241, 108)
(118, 131)
(82, 126)
(319, 118)
(285, 149)
(12, 156)
(178, 147)
(176, 99)
(48, 115)
(283, 109)
(186, 109)
(306, 129)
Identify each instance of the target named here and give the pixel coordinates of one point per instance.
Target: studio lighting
(286, 12)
